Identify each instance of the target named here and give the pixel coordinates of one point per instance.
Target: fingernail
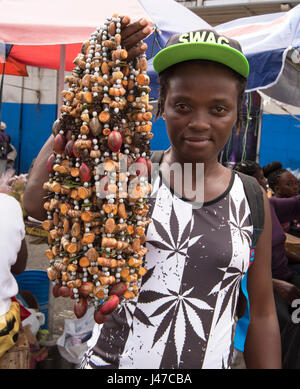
(143, 22)
(147, 30)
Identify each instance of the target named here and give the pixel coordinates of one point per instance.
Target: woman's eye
(220, 109)
(182, 107)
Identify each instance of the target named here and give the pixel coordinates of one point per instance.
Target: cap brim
(208, 51)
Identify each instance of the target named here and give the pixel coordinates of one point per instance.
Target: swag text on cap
(203, 37)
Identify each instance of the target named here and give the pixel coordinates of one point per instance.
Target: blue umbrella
(270, 43)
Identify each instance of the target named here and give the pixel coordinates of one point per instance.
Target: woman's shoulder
(9, 203)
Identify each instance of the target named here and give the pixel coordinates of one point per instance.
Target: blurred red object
(13, 68)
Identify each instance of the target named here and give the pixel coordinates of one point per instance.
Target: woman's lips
(197, 142)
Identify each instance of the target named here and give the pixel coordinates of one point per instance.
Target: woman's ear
(277, 189)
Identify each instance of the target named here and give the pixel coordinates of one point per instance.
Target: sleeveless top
(184, 315)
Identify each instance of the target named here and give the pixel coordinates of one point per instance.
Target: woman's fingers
(133, 34)
(129, 29)
(137, 50)
(125, 21)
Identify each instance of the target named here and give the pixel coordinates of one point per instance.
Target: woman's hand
(133, 34)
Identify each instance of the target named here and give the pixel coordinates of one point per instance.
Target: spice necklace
(99, 175)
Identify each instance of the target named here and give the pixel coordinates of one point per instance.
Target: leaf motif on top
(179, 333)
(164, 325)
(216, 288)
(126, 311)
(200, 304)
(173, 292)
(233, 209)
(194, 240)
(229, 284)
(162, 308)
(174, 226)
(162, 232)
(242, 210)
(234, 302)
(139, 314)
(225, 303)
(185, 235)
(172, 253)
(241, 220)
(148, 296)
(227, 281)
(195, 321)
(159, 245)
(232, 270)
(146, 277)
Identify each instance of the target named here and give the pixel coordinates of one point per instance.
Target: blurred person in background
(5, 147)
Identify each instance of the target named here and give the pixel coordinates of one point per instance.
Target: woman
(184, 315)
(285, 185)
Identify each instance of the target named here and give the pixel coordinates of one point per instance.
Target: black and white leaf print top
(184, 315)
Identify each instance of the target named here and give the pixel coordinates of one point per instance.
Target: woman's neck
(210, 167)
(189, 179)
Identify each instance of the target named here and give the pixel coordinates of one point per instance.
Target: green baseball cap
(202, 44)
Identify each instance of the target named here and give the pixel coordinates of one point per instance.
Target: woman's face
(200, 110)
(288, 185)
(259, 175)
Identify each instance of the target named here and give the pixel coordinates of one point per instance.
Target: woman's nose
(199, 121)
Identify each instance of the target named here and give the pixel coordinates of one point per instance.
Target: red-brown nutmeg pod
(69, 148)
(99, 317)
(55, 290)
(118, 289)
(141, 167)
(68, 135)
(56, 127)
(50, 164)
(86, 288)
(80, 307)
(76, 149)
(114, 141)
(84, 172)
(59, 144)
(64, 291)
(110, 304)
